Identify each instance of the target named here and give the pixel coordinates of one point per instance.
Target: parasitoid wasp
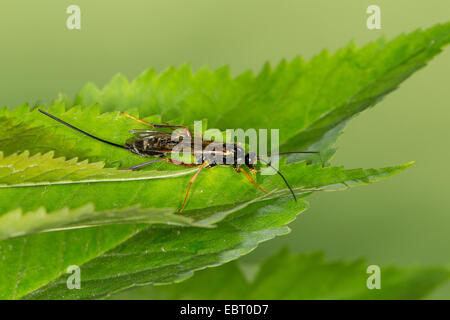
(160, 144)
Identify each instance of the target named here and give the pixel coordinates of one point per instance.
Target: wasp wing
(154, 143)
(160, 143)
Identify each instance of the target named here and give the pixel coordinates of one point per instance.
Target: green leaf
(149, 254)
(114, 193)
(286, 276)
(294, 97)
(72, 243)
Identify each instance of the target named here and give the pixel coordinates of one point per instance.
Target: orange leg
(159, 125)
(190, 184)
(250, 179)
(138, 120)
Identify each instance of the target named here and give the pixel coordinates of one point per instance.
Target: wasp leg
(250, 179)
(204, 164)
(159, 160)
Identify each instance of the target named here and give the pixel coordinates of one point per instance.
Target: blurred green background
(404, 220)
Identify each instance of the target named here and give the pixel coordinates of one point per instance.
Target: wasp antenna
(81, 131)
(285, 181)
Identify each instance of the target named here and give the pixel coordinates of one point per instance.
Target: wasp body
(161, 144)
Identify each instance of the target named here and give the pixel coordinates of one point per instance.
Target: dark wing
(160, 143)
(153, 143)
